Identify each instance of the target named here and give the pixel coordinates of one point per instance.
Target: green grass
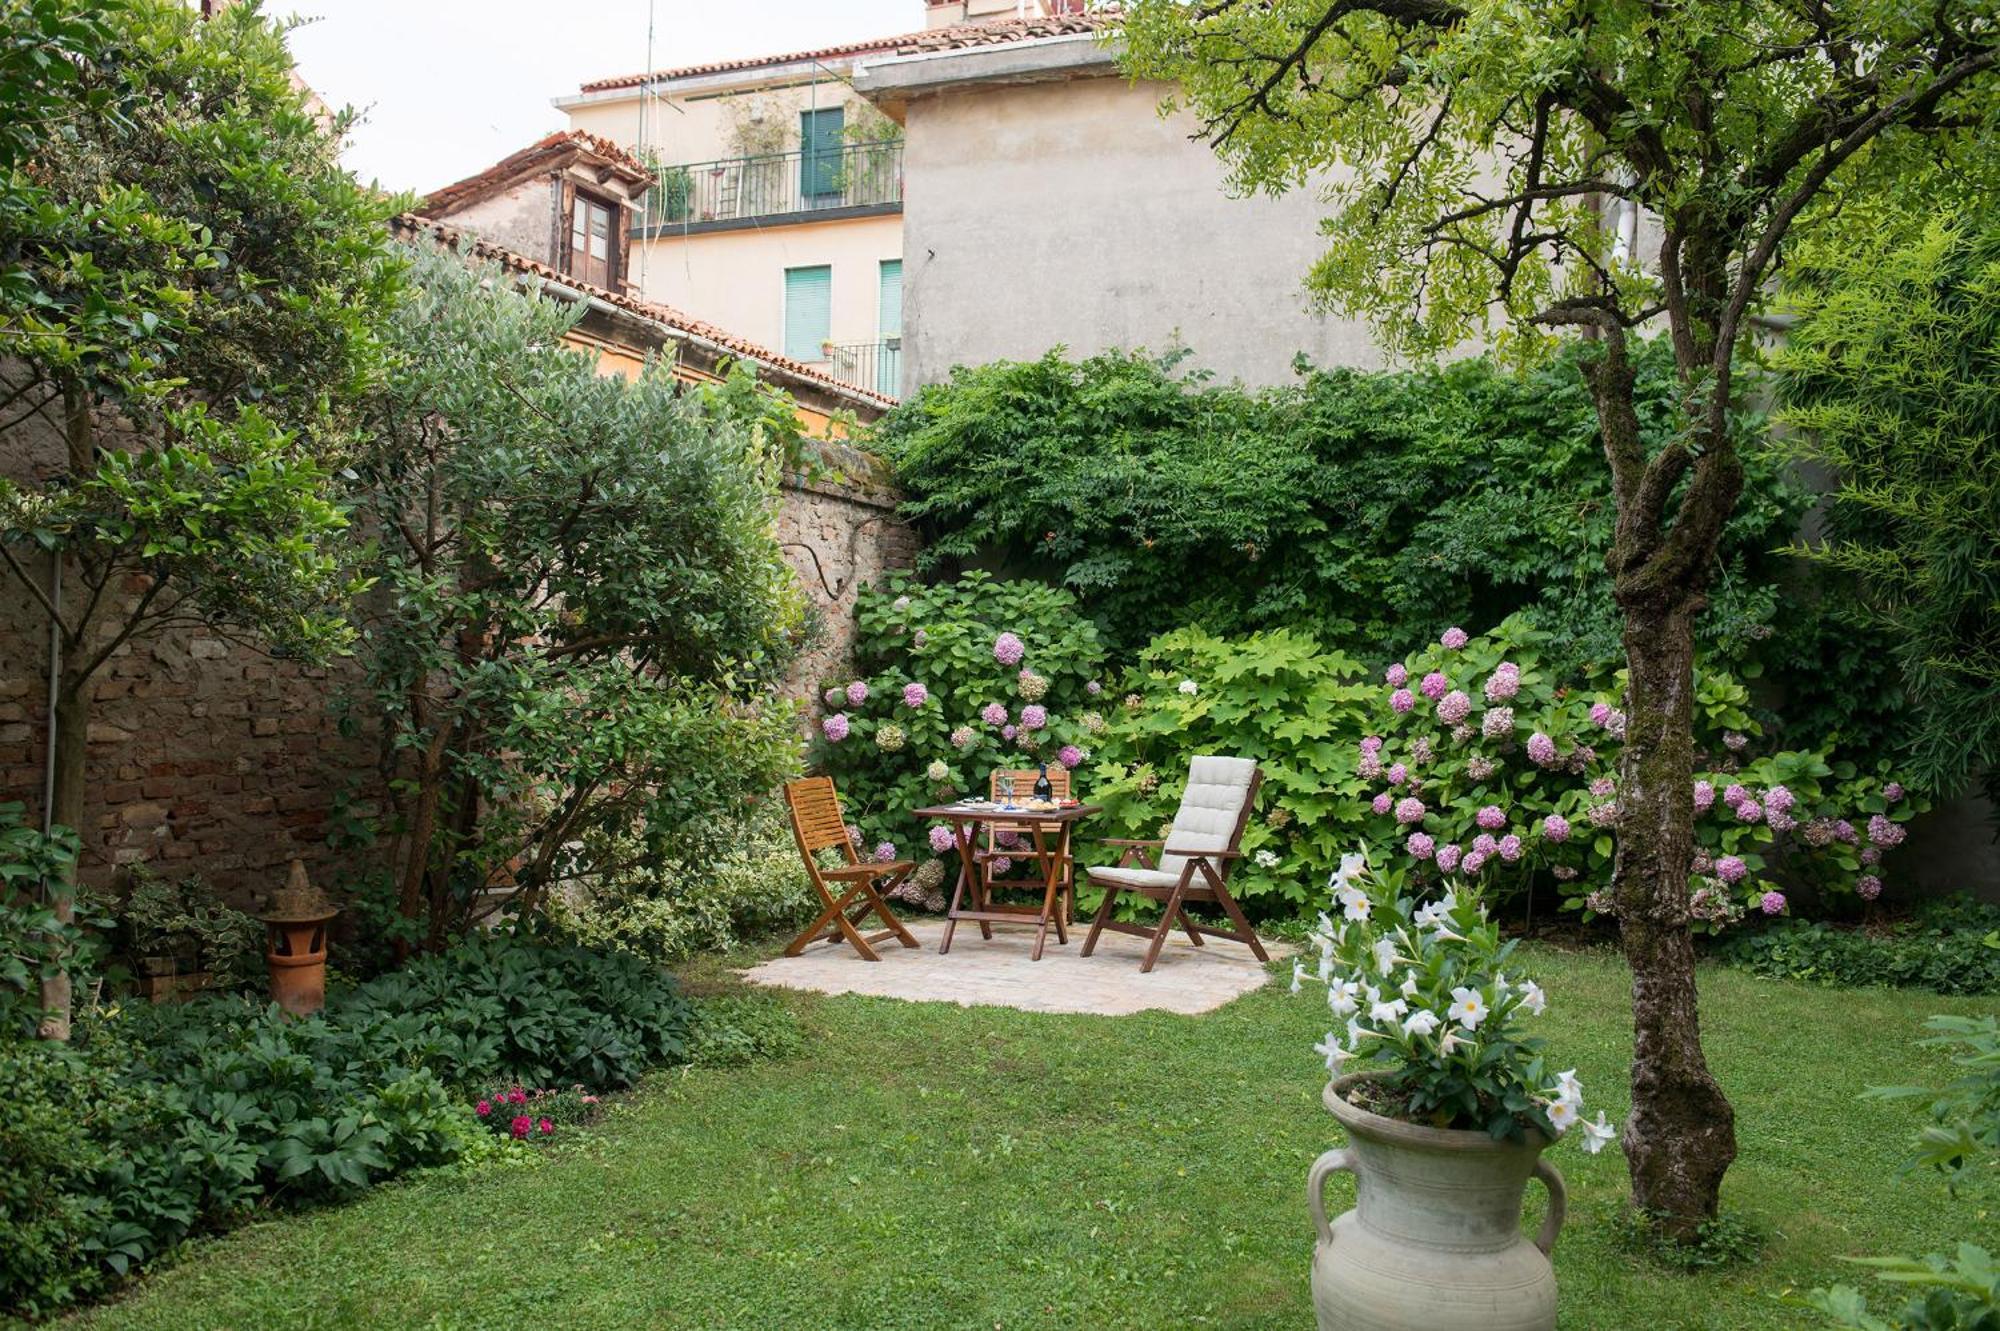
(927, 1166)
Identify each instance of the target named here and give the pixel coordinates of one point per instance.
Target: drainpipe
(55, 683)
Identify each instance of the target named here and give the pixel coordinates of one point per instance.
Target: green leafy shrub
(165, 1121)
(664, 909)
(1519, 786)
(183, 921)
(1951, 947)
(35, 942)
(954, 681)
(1356, 507)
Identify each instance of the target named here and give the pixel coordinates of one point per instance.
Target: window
(889, 319)
(593, 240)
(808, 311)
(819, 156)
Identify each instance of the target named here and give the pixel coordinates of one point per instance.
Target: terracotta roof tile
(415, 224)
(958, 37)
(558, 146)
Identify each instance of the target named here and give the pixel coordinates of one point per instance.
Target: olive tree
(1479, 159)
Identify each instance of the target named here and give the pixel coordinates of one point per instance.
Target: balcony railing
(875, 366)
(742, 189)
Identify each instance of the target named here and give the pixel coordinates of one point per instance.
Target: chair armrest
(1203, 854)
(873, 869)
(1127, 841)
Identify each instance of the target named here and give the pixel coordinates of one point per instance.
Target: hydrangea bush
(1420, 998)
(1490, 768)
(954, 680)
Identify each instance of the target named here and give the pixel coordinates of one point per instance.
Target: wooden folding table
(1049, 830)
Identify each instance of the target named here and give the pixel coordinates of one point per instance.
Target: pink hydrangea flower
(1734, 794)
(1448, 856)
(834, 727)
(1893, 792)
(1600, 712)
(942, 838)
(1371, 744)
(962, 737)
(1868, 887)
(1503, 683)
(1871, 855)
(1556, 827)
(1034, 716)
(1780, 822)
(1704, 797)
(1484, 844)
(915, 695)
(1731, 869)
(885, 852)
(1382, 803)
(1885, 833)
(1474, 861)
(999, 866)
(1402, 700)
(1735, 741)
(1541, 750)
(1779, 800)
(1069, 755)
(993, 714)
(1510, 848)
(854, 835)
(1843, 831)
(1772, 903)
(1093, 688)
(1008, 732)
(1604, 787)
(1370, 767)
(1398, 774)
(1409, 809)
(1749, 811)
(1008, 649)
(1420, 749)
(857, 693)
(1564, 874)
(1397, 675)
(1498, 723)
(1420, 846)
(1434, 684)
(833, 695)
(1454, 707)
(1453, 638)
(1490, 817)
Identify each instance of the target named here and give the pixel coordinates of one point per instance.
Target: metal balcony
(855, 179)
(875, 366)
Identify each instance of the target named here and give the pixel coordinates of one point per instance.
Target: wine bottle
(1043, 790)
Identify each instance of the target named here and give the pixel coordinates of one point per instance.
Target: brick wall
(211, 758)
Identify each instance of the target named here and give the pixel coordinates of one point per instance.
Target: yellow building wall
(620, 360)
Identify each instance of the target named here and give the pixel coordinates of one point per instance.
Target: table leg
(1051, 874)
(962, 835)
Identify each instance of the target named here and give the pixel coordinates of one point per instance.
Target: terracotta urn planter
(1434, 1243)
(296, 948)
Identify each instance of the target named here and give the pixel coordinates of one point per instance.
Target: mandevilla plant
(1429, 1010)
(1482, 764)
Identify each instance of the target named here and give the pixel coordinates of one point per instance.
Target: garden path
(997, 972)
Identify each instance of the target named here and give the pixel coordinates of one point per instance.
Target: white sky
(450, 86)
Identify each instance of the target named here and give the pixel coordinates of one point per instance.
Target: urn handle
(1552, 1179)
(1337, 1159)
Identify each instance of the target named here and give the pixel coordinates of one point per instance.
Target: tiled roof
(958, 37)
(414, 224)
(547, 151)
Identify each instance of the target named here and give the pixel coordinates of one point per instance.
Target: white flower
(1468, 1008)
(1561, 1115)
(1351, 865)
(1354, 904)
(1598, 1135)
(1356, 1033)
(1298, 976)
(1409, 985)
(1569, 1088)
(1385, 955)
(1450, 1042)
(1325, 965)
(1190, 688)
(1438, 913)
(1330, 1049)
(1388, 1013)
(1500, 985)
(1266, 860)
(1343, 997)
(1533, 999)
(1421, 1022)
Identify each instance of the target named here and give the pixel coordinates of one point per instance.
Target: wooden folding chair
(1194, 861)
(818, 826)
(1023, 851)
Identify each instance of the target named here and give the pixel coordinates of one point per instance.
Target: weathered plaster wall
(1070, 213)
(521, 218)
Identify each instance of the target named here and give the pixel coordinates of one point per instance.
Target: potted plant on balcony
(1448, 1104)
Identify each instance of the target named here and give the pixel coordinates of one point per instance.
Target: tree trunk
(72, 742)
(1681, 1136)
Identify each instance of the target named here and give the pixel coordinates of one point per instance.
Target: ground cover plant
(1950, 946)
(164, 1122)
(1059, 1171)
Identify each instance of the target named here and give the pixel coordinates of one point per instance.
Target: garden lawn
(929, 1166)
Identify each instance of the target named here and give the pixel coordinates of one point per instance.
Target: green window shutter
(889, 320)
(808, 311)
(819, 155)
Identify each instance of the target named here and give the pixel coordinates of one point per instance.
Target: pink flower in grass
(483, 1108)
(520, 1125)
(517, 1096)
(545, 1126)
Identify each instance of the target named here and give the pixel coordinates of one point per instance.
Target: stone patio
(978, 972)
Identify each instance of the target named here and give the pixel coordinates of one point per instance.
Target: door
(889, 320)
(808, 311)
(819, 156)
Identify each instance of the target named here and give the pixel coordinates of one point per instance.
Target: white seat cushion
(1217, 790)
(1132, 877)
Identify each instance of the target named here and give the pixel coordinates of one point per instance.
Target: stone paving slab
(998, 973)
